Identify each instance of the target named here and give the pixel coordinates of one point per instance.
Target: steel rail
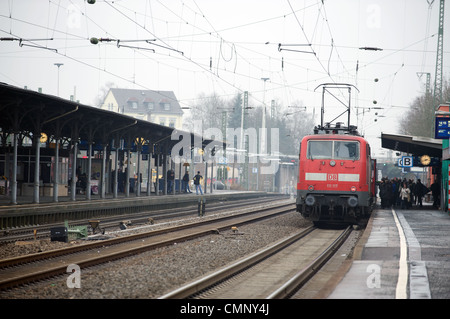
(43, 231)
(227, 222)
(228, 271)
(305, 274)
(285, 290)
(113, 241)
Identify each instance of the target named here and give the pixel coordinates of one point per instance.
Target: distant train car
(336, 182)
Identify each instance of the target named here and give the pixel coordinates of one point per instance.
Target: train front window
(320, 149)
(345, 150)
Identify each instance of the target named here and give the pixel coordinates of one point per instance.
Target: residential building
(160, 107)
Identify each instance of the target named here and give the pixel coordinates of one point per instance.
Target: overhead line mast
(439, 56)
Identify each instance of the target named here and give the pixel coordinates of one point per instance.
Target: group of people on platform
(184, 182)
(197, 183)
(406, 193)
(82, 181)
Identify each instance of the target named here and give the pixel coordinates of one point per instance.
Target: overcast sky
(226, 47)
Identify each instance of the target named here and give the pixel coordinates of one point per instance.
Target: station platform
(403, 254)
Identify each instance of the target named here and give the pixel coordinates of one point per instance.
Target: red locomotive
(336, 182)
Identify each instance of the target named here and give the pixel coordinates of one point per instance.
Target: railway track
(112, 222)
(273, 273)
(26, 269)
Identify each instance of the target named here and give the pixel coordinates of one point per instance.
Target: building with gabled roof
(160, 107)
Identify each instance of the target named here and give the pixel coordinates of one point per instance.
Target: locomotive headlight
(310, 200)
(311, 188)
(332, 163)
(352, 201)
(353, 189)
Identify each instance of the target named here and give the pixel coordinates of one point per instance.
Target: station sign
(442, 122)
(418, 161)
(442, 128)
(405, 161)
(222, 160)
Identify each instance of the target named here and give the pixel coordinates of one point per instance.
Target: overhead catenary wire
(243, 53)
(203, 67)
(312, 49)
(90, 20)
(216, 34)
(21, 40)
(309, 43)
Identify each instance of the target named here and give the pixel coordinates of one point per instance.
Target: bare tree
(103, 92)
(419, 119)
(292, 123)
(207, 110)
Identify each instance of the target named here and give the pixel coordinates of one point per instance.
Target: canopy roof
(29, 112)
(414, 145)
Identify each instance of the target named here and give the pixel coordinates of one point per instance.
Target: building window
(165, 106)
(162, 121)
(133, 103)
(149, 105)
(172, 122)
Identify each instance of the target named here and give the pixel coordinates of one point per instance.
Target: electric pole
(439, 57)
(58, 65)
(427, 85)
(263, 137)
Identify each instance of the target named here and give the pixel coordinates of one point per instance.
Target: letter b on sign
(407, 161)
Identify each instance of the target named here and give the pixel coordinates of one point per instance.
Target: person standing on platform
(186, 183)
(405, 195)
(436, 192)
(420, 190)
(382, 193)
(197, 183)
(170, 181)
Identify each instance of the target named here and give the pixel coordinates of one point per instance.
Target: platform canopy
(415, 145)
(28, 112)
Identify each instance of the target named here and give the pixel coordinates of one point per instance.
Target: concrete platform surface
(403, 254)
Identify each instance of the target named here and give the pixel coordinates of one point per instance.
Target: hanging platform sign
(442, 122)
(442, 128)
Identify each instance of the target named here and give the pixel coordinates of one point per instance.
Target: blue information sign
(442, 128)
